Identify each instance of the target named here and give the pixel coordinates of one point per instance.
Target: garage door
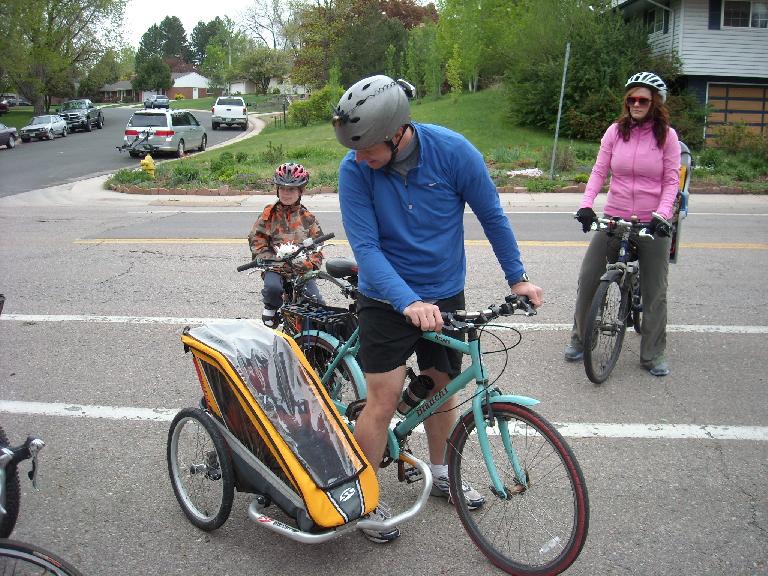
(737, 104)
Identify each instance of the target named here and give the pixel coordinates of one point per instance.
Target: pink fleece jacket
(644, 178)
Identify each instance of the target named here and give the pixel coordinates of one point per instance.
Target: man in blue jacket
(402, 190)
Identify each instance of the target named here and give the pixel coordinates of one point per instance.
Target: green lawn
(17, 116)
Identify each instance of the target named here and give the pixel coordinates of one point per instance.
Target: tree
(47, 46)
(605, 51)
(105, 71)
(151, 44)
(175, 39)
(363, 43)
(202, 34)
(480, 30)
(215, 67)
(268, 22)
(423, 62)
(261, 64)
(154, 74)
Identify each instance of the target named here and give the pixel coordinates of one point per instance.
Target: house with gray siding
(723, 45)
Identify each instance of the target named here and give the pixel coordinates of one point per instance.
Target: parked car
(8, 136)
(150, 131)
(3, 107)
(229, 110)
(46, 126)
(157, 101)
(81, 114)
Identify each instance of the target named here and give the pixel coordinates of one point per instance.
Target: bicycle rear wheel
(19, 558)
(10, 496)
(605, 329)
(343, 384)
(200, 468)
(537, 530)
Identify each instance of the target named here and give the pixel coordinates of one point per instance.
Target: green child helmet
(371, 111)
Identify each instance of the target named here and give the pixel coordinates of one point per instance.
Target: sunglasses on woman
(639, 101)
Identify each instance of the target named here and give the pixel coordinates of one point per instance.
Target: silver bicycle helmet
(371, 111)
(649, 80)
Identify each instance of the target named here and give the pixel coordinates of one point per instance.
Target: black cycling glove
(586, 216)
(659, 227)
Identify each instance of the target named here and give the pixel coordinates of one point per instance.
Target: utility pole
(559, 111)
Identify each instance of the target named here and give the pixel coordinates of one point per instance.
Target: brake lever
(34, 448)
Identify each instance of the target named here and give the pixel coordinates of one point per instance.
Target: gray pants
(653, 255)
(272, 292)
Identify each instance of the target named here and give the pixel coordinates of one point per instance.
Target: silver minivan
(174, 131)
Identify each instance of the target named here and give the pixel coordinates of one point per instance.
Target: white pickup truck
(229, 110)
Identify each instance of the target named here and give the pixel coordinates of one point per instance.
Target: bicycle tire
(208, 469)
(539, 530)
(10, 497)
(343, 385)
(605, 329)
(19, 557)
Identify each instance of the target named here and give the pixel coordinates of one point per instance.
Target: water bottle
(418, 389)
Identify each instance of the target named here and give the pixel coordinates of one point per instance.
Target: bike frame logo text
(431, 402)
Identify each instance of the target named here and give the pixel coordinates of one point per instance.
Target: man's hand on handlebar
(534, 293)
(425, 316)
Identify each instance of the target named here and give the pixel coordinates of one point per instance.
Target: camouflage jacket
(280, 224)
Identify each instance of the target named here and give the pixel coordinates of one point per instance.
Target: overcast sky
(141, 14)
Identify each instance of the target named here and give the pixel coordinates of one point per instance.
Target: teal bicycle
(536, 515)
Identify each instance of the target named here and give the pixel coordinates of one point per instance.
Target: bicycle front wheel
(26, 559)
(200, 468)
(344, 384)
(535, 530)
(605, 329)
(9, 495)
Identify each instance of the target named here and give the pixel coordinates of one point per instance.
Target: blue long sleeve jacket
(407, 233)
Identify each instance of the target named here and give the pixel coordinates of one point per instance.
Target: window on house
(654, 20)
(745, 14)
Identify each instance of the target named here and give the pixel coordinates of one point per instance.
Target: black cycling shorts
(387, 340)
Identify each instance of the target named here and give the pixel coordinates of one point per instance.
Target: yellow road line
(525, 243)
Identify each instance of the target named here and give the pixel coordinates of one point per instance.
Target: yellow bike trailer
(284, 439)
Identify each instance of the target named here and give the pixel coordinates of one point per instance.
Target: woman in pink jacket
(642, 153)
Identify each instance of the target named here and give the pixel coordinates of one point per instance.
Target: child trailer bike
(534, 488)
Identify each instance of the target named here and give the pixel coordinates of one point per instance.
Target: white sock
(439, 470)
(268, 313)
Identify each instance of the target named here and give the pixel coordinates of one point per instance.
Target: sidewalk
(91, 192)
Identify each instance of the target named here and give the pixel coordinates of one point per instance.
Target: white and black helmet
(650, 80)
(371, 111)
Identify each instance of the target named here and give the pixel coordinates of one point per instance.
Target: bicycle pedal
(409, 474)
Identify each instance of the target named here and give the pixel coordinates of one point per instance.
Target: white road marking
(568, 429)
(532, 327)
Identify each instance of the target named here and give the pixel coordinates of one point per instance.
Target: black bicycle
(617, 303)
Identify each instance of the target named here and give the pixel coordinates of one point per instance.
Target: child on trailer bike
(402, 191)
(285, 223)
(642, 153)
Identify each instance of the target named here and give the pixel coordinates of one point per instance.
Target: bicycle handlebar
(613, 223)
(462, 319)
(303, 247)
(11, 456)
(511, 303)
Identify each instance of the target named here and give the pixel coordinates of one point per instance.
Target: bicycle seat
(341, 267)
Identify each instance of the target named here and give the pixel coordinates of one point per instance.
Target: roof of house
(119, 85)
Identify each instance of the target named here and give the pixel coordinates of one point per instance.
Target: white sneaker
(381, 512)
(440, 488)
